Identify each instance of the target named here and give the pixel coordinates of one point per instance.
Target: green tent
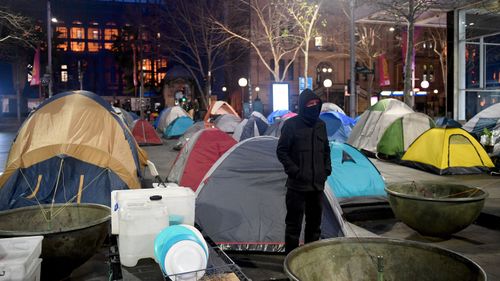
(402, 132)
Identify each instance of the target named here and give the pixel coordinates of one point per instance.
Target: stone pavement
(480, 241)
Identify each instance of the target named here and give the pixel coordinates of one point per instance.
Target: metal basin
(347, 259)
(72, 233)
(436, 209)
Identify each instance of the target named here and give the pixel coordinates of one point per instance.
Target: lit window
(160, 77)
(93, 46)
(64, 66)
(62, 32)
(64, 76)
(110, 34)
(77, 46)
(93, 34)
(161, 63)
(146, 65)
(77, 33)
(108, 46)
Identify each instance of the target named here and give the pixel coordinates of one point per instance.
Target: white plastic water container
(33, 273)
(140, 223)
(180, 202)
(19, 257)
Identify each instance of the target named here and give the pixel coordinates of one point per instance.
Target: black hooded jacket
(303, 147)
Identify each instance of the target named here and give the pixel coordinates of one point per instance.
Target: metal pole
(141, 89)
(49, 47)
(242, 102)
(80, 75)
(352, 97)
(250, 106)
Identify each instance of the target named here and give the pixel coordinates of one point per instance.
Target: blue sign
(302, 84)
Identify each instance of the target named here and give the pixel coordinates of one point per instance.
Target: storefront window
(472, 66)
(492, 66)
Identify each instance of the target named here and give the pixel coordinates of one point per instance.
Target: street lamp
(257, 89)
(224, 89)
(327, 84)
(243, 82)
(424, 84)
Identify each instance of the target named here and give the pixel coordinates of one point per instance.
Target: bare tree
(407, 11)
(306, 14)
(440, 46)
(272, 30)
(18, 37)
(193, 40)
(368, 48)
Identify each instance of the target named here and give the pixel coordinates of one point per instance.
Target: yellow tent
(447, 151)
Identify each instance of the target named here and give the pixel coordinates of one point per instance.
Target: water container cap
(155, 198)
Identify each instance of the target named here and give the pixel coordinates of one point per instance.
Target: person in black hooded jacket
(304, 151)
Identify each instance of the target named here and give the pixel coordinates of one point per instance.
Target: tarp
(402, 132)
(198, 156)
(227, 122)
(219, 108)
(178, 127)
(168, 115)
(447, 151)
(145, 134)
(198, 126)
(372, 124)
(240, 203)
(354, 178)
(73, 148)
(276, 115)
(259, 115)
(253, 127)
(338, 125)
(487, 118)
(328, 106)
(275, 128)
(447, 122)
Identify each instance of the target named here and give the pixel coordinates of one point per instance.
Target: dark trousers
(297, 204)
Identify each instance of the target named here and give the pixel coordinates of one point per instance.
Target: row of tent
(393, 130)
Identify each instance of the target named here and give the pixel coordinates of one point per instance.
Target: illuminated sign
(280, 92)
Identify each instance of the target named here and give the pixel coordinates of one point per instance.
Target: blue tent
(445, 122)
(178, 127)
(338, 125)
(354, 178)
(157, 120)
(276, 114)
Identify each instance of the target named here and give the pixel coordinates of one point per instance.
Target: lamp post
(327, 84)
(243, 82)
(49, 47)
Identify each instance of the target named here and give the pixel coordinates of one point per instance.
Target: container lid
(155, 197)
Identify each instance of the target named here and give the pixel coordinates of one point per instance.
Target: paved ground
(480, 241)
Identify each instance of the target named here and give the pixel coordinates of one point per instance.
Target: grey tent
(253, 127)
(227, 122)
(487, 118)
(275, 128)
(198, 126)
(240, 203)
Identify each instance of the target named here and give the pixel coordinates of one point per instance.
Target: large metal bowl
(436, 209)
(370, 259)
(72, 233)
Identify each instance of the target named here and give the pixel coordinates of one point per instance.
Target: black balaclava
(310, 114)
